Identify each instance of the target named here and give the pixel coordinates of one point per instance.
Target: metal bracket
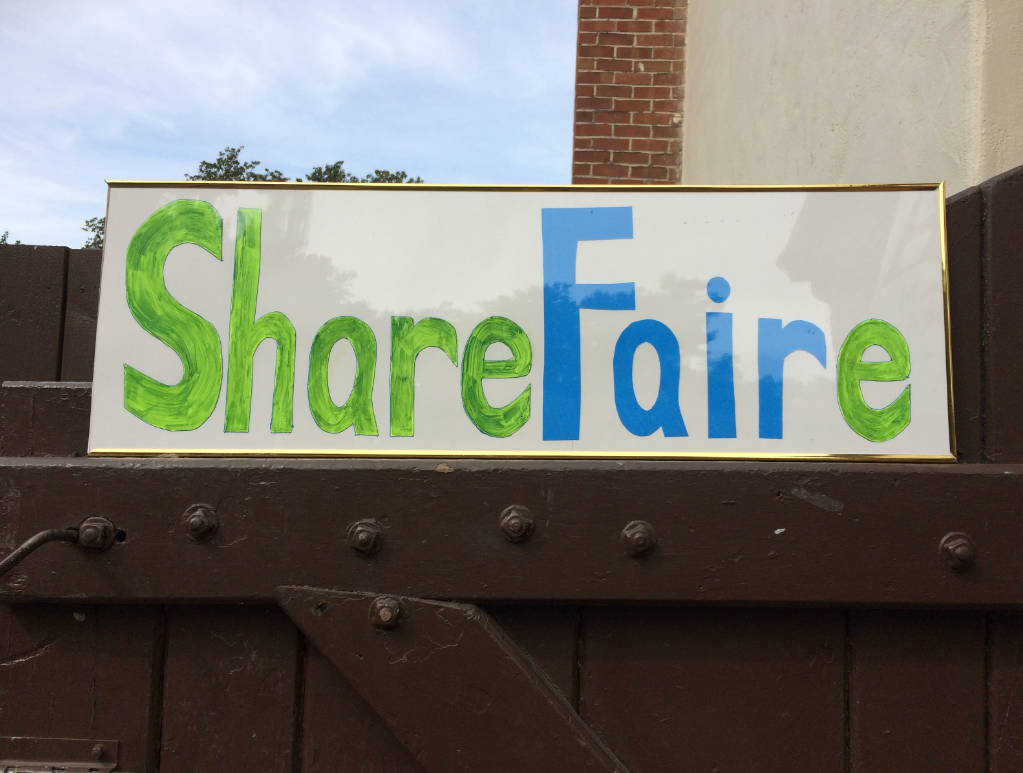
(449, 683)
(57, 755)
(95, 533)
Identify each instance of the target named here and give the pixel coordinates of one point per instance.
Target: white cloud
(453, 90)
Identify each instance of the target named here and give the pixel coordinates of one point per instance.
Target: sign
(358, 320)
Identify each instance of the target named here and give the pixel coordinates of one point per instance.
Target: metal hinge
(57, 755)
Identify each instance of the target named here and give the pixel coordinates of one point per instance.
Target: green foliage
(4, 236)
(383, 176)
(95, 226)
(331, 173)
(229, 167)
(336, 173)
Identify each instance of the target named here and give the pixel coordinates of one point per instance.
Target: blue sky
(455, 91)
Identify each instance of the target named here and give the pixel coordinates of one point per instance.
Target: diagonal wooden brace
(449, 683)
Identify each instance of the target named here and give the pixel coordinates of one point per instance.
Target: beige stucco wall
(852, 91)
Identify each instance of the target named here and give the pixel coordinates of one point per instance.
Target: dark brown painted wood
(340, 731)
(1005, 694)
(729, 532)
(716, 690)
(917, 693)
(19, 753)
(44, 418)
(81, 672)
(79, 348)
(230, 693)
(550, 636)
(450, 684)
(32, 283)
(965, 232)
(1003, 275)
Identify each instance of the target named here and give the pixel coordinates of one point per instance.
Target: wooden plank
(82, 672)
(965, 231)
(79, 348)
(750, 533)
(1003, 286)
(32, 282)
(450, 684)
(44, 418)
(230, 695)
(550, 636)
(340, 732)
(917, 691)
(724, 689)
(1005, 688)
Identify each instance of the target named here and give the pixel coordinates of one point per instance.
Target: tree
(4, 236)
(383, 176)
(336, 173)
(331, 173)
(95, 226)
(229, 167)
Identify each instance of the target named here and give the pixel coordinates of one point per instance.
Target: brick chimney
(630, 76)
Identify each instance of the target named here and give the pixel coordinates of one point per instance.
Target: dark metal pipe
(50, 535)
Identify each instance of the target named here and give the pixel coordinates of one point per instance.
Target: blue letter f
(562, 299)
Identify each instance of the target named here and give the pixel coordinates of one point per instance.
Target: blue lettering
(665, 412)
(720, 371)
(720, 378)
(774, 344)
(562, 229)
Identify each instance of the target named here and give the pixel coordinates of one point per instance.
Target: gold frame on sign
(650, 455)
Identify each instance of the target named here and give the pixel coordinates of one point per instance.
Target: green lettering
(496, 422)
(878, 424)
(247, 333)
(358, 409)
(189, 403)
(407, 341)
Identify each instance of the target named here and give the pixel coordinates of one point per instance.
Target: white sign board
(358, 320)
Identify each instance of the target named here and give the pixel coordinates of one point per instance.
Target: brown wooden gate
(792, 616)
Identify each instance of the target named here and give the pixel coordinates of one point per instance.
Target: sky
(455, 91)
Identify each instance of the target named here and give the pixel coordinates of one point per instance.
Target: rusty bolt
(96, 533)
(98, 751)
(958, 550)
(201, 522)
(516, 524)
(638, 538)
(386, 612)
(365, 537)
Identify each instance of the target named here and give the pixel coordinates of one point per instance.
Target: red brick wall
(630, 73)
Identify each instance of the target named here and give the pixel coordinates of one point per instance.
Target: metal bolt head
(96, 533)
(89, 536)
(98, 751)
(958, 550)
(365, 537)
(516, 523)
(386, 612)
(639, 538)
(201, 522)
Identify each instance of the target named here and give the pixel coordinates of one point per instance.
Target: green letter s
(189, 403)
(358, 409)
(880, 424)
(496, 422)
